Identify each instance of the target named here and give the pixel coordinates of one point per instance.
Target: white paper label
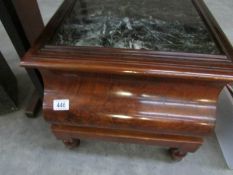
(61, 105)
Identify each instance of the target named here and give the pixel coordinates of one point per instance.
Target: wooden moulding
(124, 61)
(184, 143)
(163, 98)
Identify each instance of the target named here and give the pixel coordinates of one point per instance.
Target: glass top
(159, 25)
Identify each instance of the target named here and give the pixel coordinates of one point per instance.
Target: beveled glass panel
(160, 25)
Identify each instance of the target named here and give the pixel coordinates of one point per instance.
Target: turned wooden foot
(177, 154)
(71, 143)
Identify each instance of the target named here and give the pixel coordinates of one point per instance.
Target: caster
(176, 154)
(71, 143)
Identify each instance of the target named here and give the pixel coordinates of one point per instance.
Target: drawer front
(141, 104)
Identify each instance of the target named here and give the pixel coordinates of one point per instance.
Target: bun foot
(176, 154)
(71, 143)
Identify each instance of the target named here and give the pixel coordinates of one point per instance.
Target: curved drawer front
(155, 105)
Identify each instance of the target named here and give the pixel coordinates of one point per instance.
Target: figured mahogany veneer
(150, 97)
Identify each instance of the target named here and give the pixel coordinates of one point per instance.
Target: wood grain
(162, 98)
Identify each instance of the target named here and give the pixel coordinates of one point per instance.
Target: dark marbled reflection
(163, 25)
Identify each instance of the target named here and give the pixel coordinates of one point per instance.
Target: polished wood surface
(137, 103)
(162, 98)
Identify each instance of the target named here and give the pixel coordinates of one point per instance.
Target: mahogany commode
(132, 71)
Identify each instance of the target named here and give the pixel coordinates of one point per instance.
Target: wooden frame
(8, 84)
(23, 23)
(162, 98)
